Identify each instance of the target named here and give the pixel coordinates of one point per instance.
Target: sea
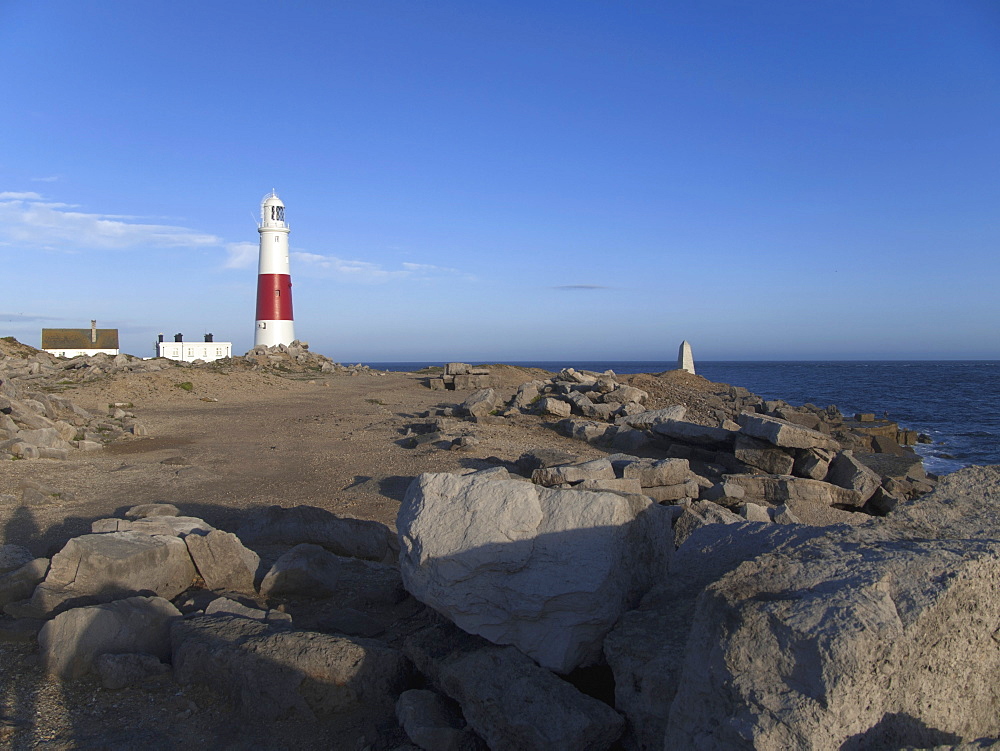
(955, 402)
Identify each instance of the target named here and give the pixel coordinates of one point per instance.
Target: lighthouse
(274, 281)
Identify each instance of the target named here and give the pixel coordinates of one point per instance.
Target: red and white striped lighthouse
(274, 281)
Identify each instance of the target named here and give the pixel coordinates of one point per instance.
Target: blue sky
(510, 180)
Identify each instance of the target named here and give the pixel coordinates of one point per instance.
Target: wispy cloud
(29, 221)
(241, 255)
(584, 287)
(371, 273)
(14, 196)
(49, 179)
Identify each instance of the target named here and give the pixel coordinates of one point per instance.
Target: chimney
(160, 338)
(208, 337)
(178, 337)
(93, 331)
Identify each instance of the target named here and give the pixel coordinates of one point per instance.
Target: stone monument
(685, 360)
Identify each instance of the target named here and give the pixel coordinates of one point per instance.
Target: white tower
(685, 360)
(275, 324)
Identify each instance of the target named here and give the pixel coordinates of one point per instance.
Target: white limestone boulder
(223, 561)
(763, 456)
(549, 571)
(480, 403)
(508, 700)
(783, 433)
(847, 641)
(358, 538)
(20, 582)
(70, 643)
(596, 469)
(697, 515)
(172, 526)
(777, 489)
(646, 648)
(103, 567)
(691, 432)
(848, 472)
(271, 672)
(646, 420)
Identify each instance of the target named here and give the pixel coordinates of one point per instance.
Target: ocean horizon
(955, 402)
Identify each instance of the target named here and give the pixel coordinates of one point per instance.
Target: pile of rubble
(36, 425)
(460, 376)
(296, 358)
(761, 460)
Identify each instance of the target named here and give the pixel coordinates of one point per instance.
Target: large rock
(312, 571)
(357, 538)
(549, 571)
(272, 673)
(71, 642)
(596, 469)
(174, 526)
(690, 432)
(812, 464)
(152, 509)
(646, 420)
(848, 472)
(550, 405)
(646, 648)
(223, 561)
(434, 723)
(965, 504)
(527, 393)
(480, 403)
(509, 701)
(623, 394)
(697, 515)
(847, 641)
(21, 582)
(104, 567)
(652, 473)
(777, 489)
(783, 433)
(763, 456)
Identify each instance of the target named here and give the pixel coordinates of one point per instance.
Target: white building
(207, 350)
(77, 342)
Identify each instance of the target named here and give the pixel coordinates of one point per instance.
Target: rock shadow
(899, 730)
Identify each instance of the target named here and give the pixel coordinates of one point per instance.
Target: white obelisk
(685, 360)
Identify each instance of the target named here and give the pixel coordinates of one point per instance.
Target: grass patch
(375, 401)
(186, 386)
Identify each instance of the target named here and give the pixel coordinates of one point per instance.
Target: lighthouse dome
(271, 199)
(272, 211)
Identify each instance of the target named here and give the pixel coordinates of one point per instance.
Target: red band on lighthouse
(274, 297)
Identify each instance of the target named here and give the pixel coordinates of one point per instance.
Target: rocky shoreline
(706, 570)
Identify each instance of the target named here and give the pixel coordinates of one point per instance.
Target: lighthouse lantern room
(274, 282)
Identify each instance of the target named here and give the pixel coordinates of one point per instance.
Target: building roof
(79, 339)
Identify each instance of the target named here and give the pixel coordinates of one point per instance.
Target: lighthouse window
(276, 238)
